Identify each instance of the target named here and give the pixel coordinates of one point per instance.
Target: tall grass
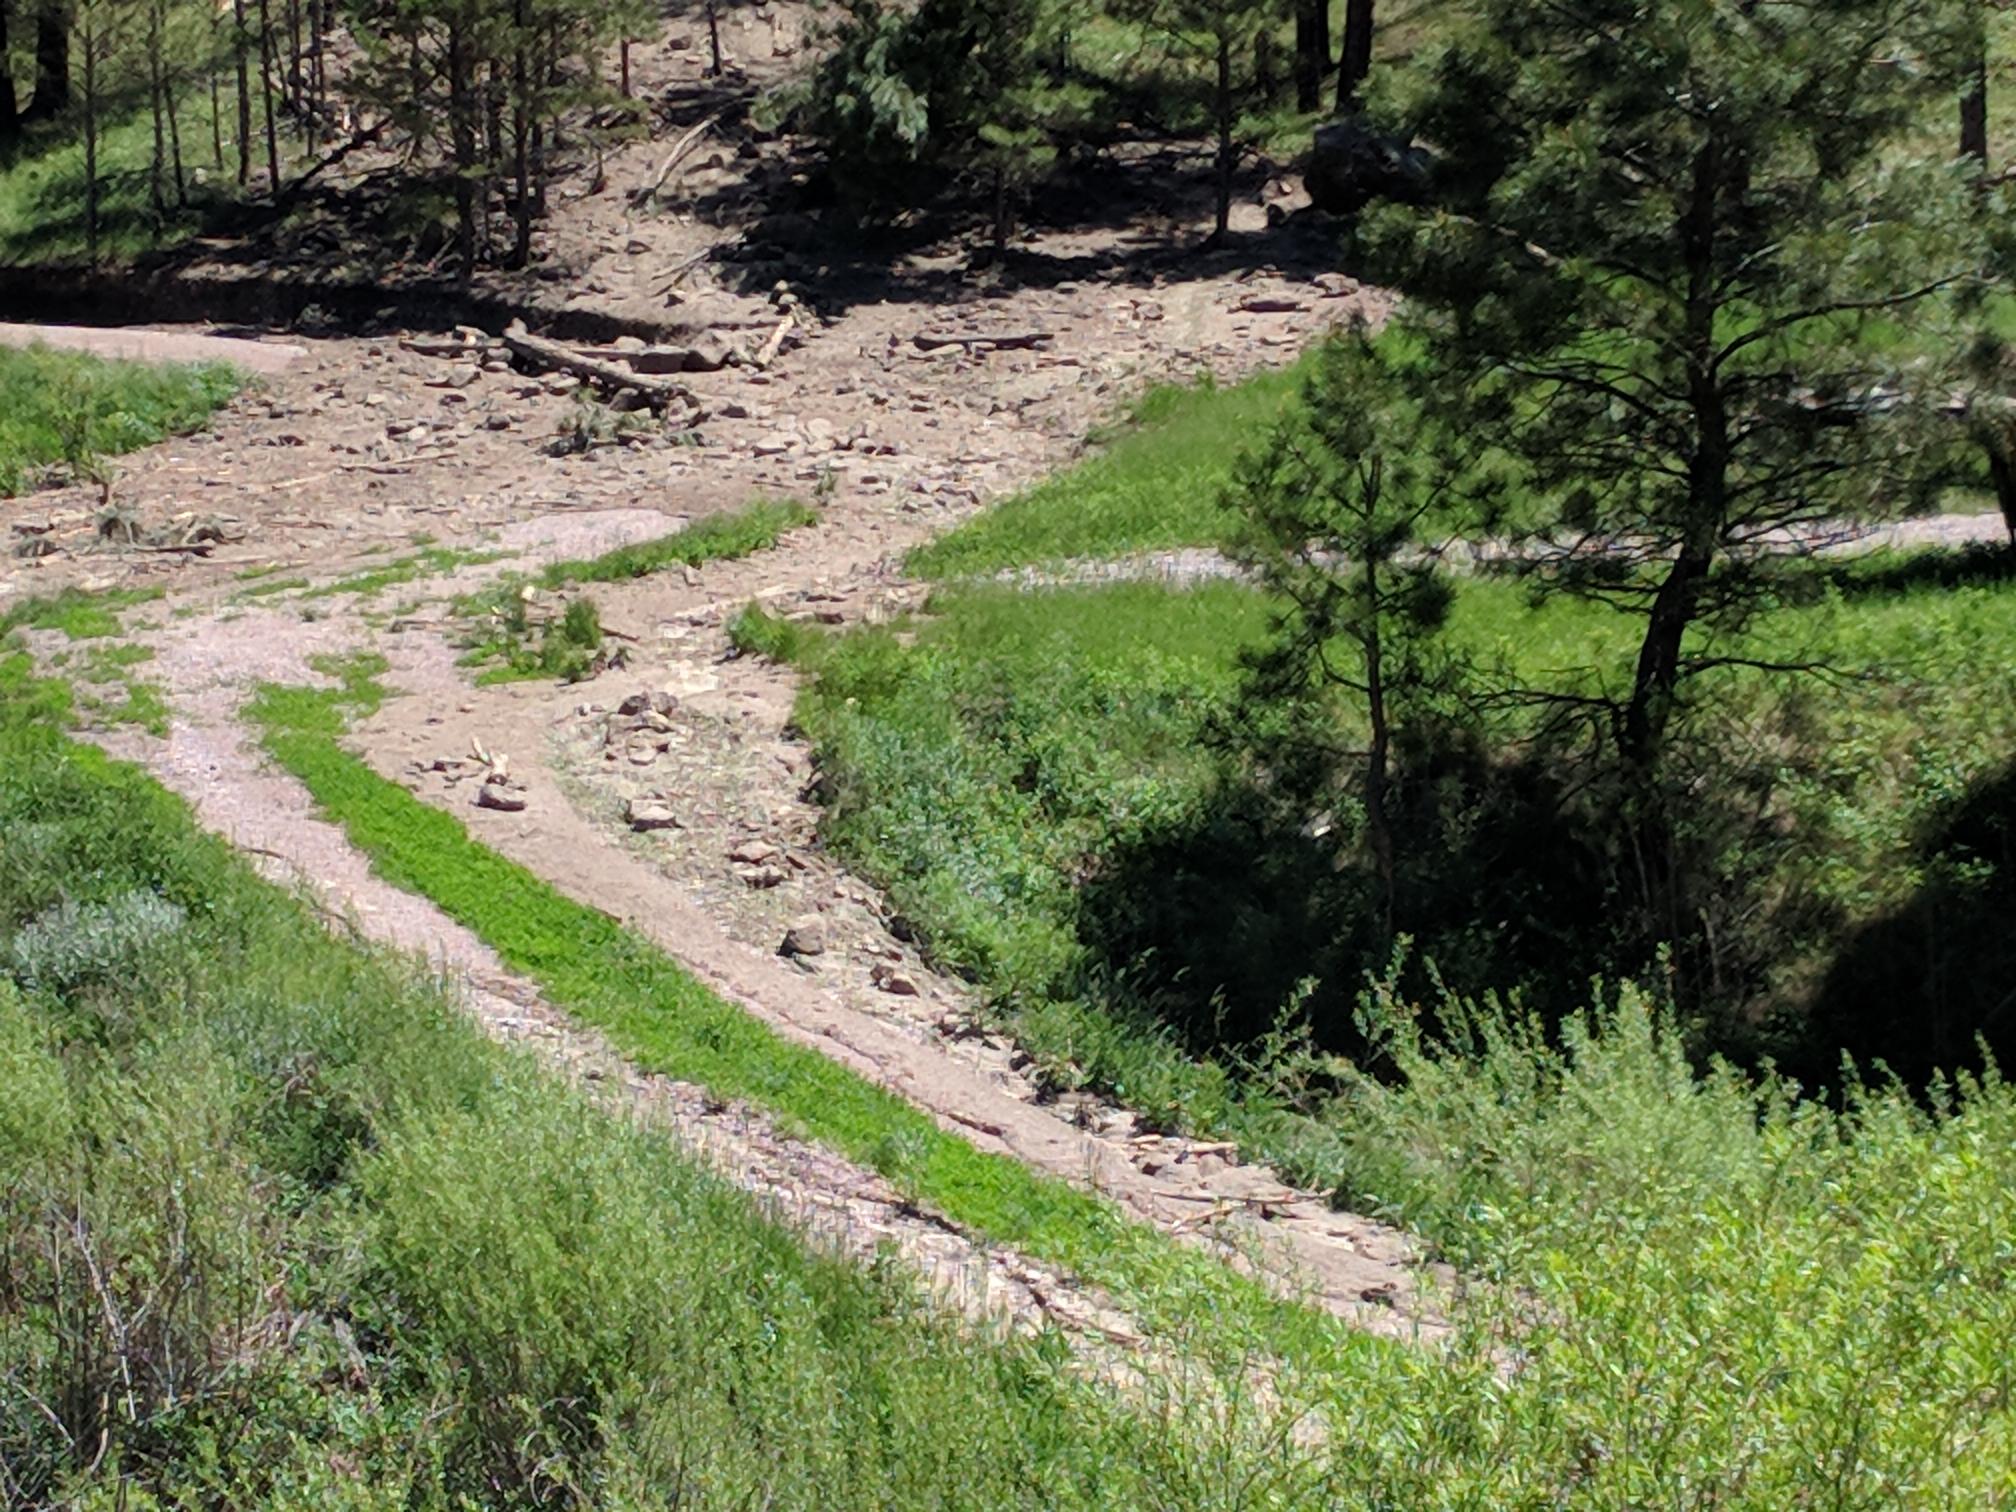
(69, 409)
(279, 1228)
(1155, 482)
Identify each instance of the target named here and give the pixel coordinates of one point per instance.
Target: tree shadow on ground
(1897, 573)
(1505, 879)
(1921, 987)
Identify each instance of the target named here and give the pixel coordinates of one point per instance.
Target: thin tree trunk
(1378, 755)
(623, 51)
(90, 42)
(292, 75)
(266, 93)
(521, 137)
(714, 37)
(157, 165)
(216, 102)
(1355, 64)
(238, 51)
(174, 135)
(1311, 50)
(462, 132)
(52, 60)
(10, 110)
(1974, 114)
(1225, 124)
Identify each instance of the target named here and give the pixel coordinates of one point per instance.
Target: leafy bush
(76, 944)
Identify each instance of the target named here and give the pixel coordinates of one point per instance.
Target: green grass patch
(725, 537)
(659, 1016)
(429, 561)
(510, 642)
(76, 613)
(1154, 481)
(42, 187)
(988, 761)
(446, 1278)
(68, 410)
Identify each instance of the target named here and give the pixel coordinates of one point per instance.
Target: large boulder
(1351, 165)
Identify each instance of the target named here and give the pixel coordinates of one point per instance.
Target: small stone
(651, 814)
(753, 852)
(494, 795)
(763, 877)
(897, 983)
(806, 937)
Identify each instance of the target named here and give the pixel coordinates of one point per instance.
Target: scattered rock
(495, 795)
(895, 982)
(753, 852)
(647, 814)
(805, 937)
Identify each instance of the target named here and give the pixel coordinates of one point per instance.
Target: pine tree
(1688, 270)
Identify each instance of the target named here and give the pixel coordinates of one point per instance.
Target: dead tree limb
(550, 356)
(1000, 341)
(677, 155)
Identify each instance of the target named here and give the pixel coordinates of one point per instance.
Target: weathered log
(553, 357)
(1000, 341)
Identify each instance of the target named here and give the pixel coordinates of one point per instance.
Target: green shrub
(76, 944)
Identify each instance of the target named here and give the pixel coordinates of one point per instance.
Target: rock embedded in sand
(805, 937)
(651, 814)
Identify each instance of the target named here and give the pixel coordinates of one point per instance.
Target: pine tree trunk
(10, 110)
(266, 93)
(1974, 114)
(462, 134)
(90, 145)
(1356, 63)
(624, 52)
(1311, 52)
(174, 135)
(1225, 124)
(714, 38)
(216, 122)
(239, 50)
(157, 165)
(52, 60)
(521, 133)
(1378, 755)
(292, 74)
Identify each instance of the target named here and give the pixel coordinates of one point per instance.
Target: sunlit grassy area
(68, 410)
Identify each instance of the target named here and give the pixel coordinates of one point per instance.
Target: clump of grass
(566, 646)
(68, 410)
(428, 561)
(1155, 481)
(76, 613)
(724, 537)
(510, 643)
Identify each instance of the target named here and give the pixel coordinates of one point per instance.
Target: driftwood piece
(674, 158)
(443, 346)
(774, 342)
(999, 341)
(552, 356)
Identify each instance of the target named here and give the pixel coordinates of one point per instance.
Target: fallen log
(1000, 341)
(677, 155)
(551, 356)
(443, 346)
